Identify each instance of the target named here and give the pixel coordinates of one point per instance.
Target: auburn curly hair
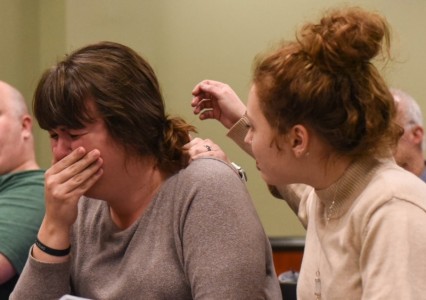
(325, 80)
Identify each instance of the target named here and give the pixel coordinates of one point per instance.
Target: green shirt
(21, 213)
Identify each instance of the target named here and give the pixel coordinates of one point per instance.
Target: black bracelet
(50, 251)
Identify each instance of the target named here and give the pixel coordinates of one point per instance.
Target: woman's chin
(92, 193)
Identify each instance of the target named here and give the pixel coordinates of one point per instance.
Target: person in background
(21, 187)
(126, 216)
(409, 151)
(320, 123)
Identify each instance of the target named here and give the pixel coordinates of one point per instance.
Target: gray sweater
(200, 238)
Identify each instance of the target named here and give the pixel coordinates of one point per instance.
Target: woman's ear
(299, 138)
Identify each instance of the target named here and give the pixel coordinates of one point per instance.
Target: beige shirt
(374, 244)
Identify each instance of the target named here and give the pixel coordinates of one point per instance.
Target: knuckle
(78, 179)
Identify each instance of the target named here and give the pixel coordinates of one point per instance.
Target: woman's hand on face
(198, 148)
(216, 100)
(66, 181)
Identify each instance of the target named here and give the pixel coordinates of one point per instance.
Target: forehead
(4, 93)
(96, 126)
(5, 100)
(401, 108)
(253, 101)
(52, 115)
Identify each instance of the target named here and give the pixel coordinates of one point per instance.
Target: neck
(330, 170)
(27, 165)
(135, 198)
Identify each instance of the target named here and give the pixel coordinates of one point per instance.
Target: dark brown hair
(326, 81)
(127, 96)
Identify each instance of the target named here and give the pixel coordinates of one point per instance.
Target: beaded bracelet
(51, 251)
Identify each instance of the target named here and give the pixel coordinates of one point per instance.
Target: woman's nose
(61, 148)
(248, 138)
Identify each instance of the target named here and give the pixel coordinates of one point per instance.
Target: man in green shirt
(21, 187)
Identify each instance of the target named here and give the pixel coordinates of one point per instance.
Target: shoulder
(209, 169)
(393, 197)
(24, 177)
(26, 185)
(208, 180)
(392, 183)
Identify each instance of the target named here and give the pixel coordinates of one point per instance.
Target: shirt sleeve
(41, 281)
(238, 132)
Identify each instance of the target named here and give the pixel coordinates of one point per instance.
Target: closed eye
(53, 135)
(75, 134)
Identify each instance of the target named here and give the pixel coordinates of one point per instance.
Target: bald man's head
(409, 151)
(14, 98)
(16, 139)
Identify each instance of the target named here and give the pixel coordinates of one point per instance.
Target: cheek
(269, 161)
(260, 144)
(261, 153)
(62, 147)
(256, 147)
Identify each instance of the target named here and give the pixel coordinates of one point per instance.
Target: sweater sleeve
(226, 252)
(42, 281)
(238, 132)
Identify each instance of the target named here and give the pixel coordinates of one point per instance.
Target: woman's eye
(76, 134)
(53, 136)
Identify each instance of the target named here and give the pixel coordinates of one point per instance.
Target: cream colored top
(374, 244)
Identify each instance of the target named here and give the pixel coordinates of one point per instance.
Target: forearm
(54, 237)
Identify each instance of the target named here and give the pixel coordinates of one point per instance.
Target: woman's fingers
(74, 174)
(198, 148)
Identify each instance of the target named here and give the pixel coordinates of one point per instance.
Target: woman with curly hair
(320, 123)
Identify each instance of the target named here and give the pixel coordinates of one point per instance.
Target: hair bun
(344, 39)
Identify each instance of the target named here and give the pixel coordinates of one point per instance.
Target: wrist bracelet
(51, 251)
